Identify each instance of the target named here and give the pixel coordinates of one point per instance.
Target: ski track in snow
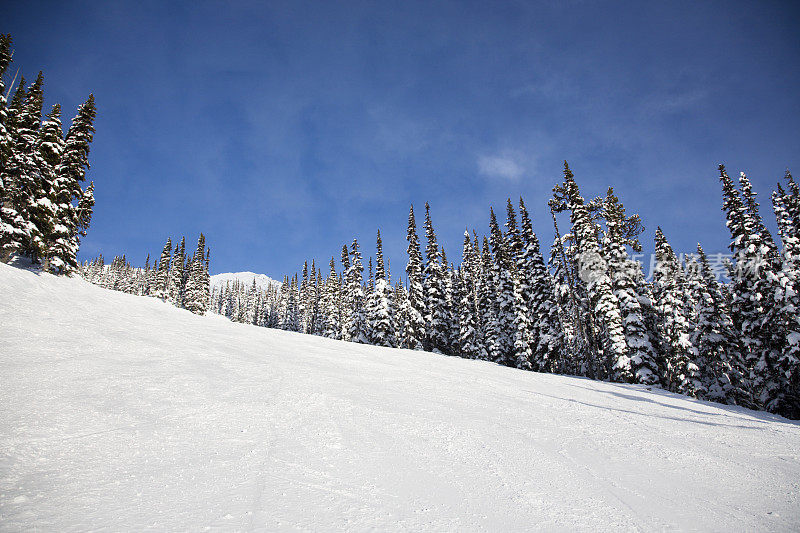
(120, 412)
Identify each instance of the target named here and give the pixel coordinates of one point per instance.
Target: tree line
(44, 208)
(584, 309)
(176, 277)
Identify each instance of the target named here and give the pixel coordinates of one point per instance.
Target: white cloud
(500, 167)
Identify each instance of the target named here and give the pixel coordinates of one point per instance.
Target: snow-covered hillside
(120, 412)
(262, 280)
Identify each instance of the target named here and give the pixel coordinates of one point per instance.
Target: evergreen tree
(566, 285)
(671, 296)
(196, 298)
(291, 319)
(176, 286)
(503, 284)
(622, 231)
(162, 274)
(32, 185)
(5, 139)
(18, 233)
(523, 354)
(487, 302)
(433, 287)
(71, 173)
(401, 310)
(414, 328)
(714, 336)
(593, 271)
(469, 343)
(452, 295)
(330, 305)
(356, 321)
(766, 320)
(538, 292)
(380, 308)
(55, 211)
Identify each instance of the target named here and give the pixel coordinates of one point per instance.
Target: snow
(120, 412)
(262, 280)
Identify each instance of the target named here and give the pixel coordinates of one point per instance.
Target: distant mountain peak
(262, 280)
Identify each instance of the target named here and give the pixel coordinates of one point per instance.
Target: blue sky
(284, 129)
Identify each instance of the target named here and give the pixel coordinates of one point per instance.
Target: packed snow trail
(120, 412)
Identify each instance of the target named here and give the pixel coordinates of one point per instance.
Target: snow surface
(262, 280)
(120, 412)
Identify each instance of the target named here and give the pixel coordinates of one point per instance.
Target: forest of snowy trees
(584, 309)
(176, 277)
(44, 209)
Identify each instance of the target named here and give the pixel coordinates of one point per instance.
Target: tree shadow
(733, 411)
(760, 417)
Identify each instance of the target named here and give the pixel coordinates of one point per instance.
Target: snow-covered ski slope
(122, 413)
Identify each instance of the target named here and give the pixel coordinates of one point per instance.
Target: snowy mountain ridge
(122, 412)
(262, 280)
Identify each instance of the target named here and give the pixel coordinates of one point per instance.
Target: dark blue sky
(284, 129)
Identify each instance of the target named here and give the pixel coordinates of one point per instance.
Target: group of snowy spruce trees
(587, 310)
(177, 278)
(44, 209)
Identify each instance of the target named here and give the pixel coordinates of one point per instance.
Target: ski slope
(122, 413)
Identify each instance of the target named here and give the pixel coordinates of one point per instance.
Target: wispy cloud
(500, 166)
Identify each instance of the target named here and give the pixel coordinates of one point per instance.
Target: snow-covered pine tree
(7, 228)
(380, 307)
(523, 337)
(313, 297)
(713, 334)
(503, 284)
(83, 214)
(786, 204)
(623, 231)
(196, 298)
(756, 309)
(6, 55)
(414, 328)
(145, 288)
(14, 226)
(469, 344)
(538, 290)
(433, 287)
(35, 185)
(162, 274)
(523, 354)
(487, 307)
(71, 171)
(757, 223)
(355, 321)
(745, 310)
(578, 353)
(205, 276)
(303, 300)
(401, 309)
(452, 296)
(329, 306)
(20, 234)
(55, 209)
(593, 271)
(671, 300)
(176, 284)
(291, 319)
